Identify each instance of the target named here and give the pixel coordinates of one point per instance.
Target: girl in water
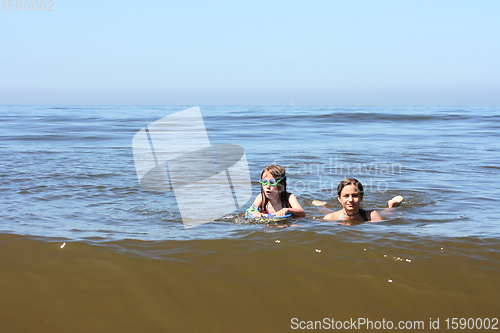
(350, 194)
(274, 198)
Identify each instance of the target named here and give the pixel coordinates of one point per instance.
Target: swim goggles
(272, 182)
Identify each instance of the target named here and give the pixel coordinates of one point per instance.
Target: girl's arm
(387, 212)
(295, 209)
(375, 216)
(258, 200)
(254, 211)
(318, 203)
(324, 209)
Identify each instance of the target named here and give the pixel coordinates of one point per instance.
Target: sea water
(85, 248)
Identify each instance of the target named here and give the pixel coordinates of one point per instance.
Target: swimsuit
(253, 210)
(266, 217)
(342, 217)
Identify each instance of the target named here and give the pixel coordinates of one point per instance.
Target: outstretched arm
(375, 216)
(318, 203)
(323, 208)
(395, 202)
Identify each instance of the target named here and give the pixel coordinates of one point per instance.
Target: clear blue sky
(344, 52)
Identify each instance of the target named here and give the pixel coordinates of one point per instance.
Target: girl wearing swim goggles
(274, 198)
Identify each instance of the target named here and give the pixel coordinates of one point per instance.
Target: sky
(336, 52)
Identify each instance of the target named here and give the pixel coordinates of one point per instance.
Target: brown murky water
(253, 284)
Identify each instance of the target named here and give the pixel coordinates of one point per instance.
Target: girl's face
(350, 198)
(271, 192)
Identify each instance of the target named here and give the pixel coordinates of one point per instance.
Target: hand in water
(395, 202)
(281, 212)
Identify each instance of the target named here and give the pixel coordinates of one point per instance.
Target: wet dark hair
(350, 181)
(359, 187)
(278, 172)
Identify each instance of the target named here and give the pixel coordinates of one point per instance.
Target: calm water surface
(128, 264)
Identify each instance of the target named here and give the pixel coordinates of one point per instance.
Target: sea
(84, 248)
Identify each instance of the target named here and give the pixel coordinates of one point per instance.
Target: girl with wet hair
(350, 194)
(274, 199)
